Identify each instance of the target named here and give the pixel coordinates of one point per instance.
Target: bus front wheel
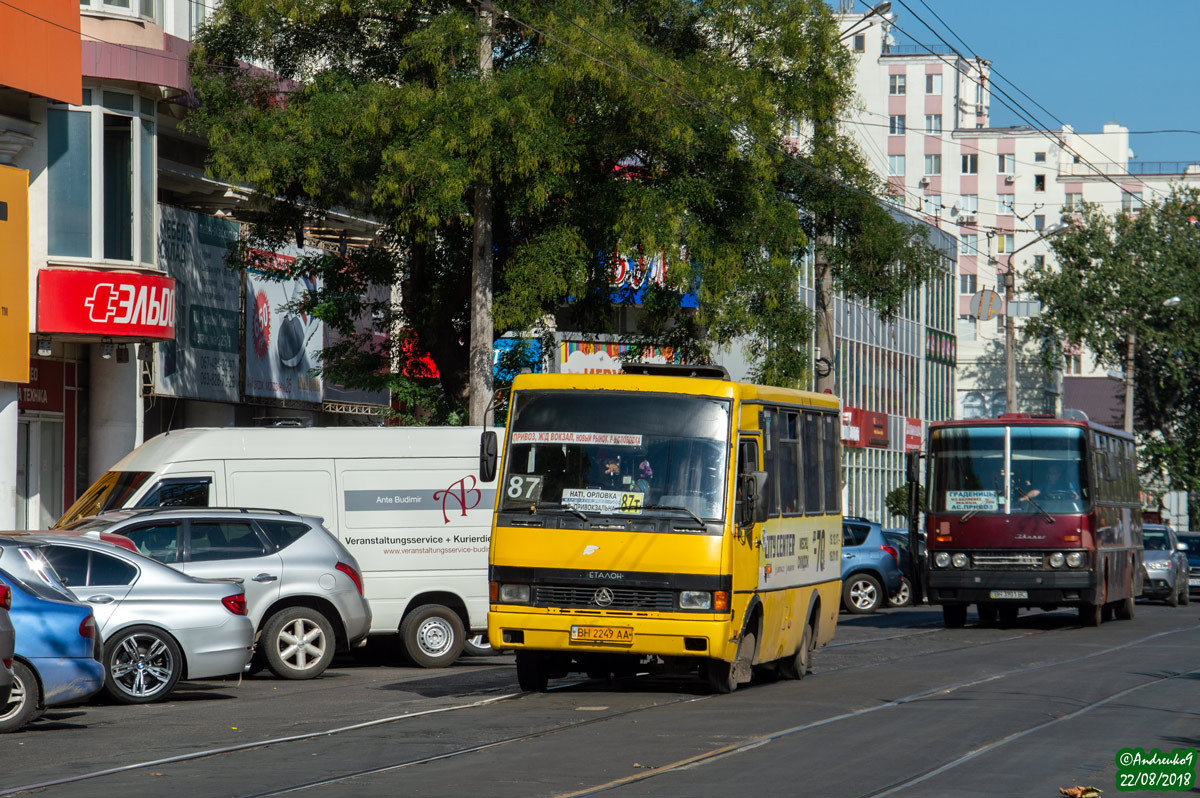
(1091, 614)
(954, 615)
(532, 672)
(1124, 609)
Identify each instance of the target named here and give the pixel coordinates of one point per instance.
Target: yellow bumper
(705, 636)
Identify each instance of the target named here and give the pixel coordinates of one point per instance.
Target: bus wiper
(1049, 518)
(674, 507)
(543, 507)
(968, 514)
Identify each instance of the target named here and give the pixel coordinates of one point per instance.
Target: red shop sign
(852, 427)
(875, 429)
(106, 303)
(912, 434)
(45, 388)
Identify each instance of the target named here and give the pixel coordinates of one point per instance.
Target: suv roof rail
(193, 508)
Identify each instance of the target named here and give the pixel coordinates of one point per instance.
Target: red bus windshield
(1009, 469)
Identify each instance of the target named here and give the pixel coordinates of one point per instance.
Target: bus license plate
(622, 635)
(1194, 581)
(1009, 594)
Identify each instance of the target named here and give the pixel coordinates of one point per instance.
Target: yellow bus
(665, 516)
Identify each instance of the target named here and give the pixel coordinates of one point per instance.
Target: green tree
(1113, 277)
(647, 127)
(897, 500)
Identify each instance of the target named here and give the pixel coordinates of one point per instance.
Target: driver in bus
(1054, 486)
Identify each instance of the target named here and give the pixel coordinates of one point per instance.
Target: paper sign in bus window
(583, 438)
(592, 500)
(965, 500)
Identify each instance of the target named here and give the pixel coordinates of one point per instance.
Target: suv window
(156, 541)
(223, 540)
(284, 533)
(855, 534)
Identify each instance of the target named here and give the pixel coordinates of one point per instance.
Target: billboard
(108, 303)
(202, 361)
(14, 275)
(282, 347)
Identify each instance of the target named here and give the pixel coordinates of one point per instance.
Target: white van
(406, 501)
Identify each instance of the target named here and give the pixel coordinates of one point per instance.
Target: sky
(1086, 63)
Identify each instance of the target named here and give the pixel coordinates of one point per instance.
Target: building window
(1073, 364)
(933, 84)
(1039, 222)
(1039, 261)
(896, 84)
(968, 244)
(1131, 203)
(1039, 157)
(860, 43)
(896, 199)
(933, 204)
(102, 166)
(1005, 163)
(933, 123)
(1039, 182)
(896, 125)
(967, 283)
(129, 8)
(979, 93)
(933, 164)
(1008, 203)
(969, 204)
(1004, 243)
(895, 164)
(1074, 201)
(970, 164)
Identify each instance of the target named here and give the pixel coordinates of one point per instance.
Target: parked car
(304, 590)
(7, 644)
(158, 625)
(1192, 541)
(870, 566)
(898, 538)
(57, 658)
(1164, 566)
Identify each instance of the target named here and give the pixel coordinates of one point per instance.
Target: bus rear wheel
(532, 672)
(797, 665)
(954, 615)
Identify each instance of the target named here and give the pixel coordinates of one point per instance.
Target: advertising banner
(111, 303)
(597, 357)
(912, 434)
(282, 347)
(14, 274)
(202, 361)
(852, 427)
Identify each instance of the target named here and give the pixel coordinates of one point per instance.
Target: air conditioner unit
(968, 219)
(1008, 180)
(924, 181)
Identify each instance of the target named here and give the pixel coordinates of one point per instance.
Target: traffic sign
(986, 304)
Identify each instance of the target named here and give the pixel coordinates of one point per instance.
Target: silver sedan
(158, 625)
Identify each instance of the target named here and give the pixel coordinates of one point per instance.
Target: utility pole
(1130, 344)
(1010, 342)
(481, 260)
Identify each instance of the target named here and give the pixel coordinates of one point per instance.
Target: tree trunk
(481, 268)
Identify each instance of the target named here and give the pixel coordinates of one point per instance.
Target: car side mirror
(488, 456)
(1181, 547)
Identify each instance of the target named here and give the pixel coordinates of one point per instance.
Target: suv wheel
(433, 635)
(298, 643)
(862, 594)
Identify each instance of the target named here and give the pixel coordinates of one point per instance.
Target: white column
(115, 411)
(8, 455)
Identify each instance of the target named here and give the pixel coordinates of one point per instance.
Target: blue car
(58, 652)
(870, 567)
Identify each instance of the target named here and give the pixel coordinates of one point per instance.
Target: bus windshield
(991, 469)
(614, 452)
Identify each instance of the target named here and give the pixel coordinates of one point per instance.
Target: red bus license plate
(622, 635)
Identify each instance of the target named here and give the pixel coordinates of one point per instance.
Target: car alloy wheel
(862, 594)
(142, 665)
(23, 701)
(298, 643)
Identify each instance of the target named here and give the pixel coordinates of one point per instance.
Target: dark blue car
(58, 653)
(870, 567)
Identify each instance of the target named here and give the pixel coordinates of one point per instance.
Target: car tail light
(6, 597)
(892, 550)
(349, 571)
(7, 662)
(235, 603)
(87, 628)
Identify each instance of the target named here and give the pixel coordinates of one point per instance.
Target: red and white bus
(1032, 511)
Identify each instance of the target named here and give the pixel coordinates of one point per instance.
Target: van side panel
(304, 487)
(417, 525)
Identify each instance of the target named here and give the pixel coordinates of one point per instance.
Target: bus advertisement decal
(597, 438)
(966, 500)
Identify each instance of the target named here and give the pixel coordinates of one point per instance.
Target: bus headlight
(1075, 559)
(1057, 559)
(695, 600)
(960, 560)
(514, 594)
(942, 559)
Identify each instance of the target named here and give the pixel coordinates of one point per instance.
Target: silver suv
(304, 590)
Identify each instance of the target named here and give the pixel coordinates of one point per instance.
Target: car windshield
(1155, 539)
(109, 492)
(611, 452)
(1029, 469)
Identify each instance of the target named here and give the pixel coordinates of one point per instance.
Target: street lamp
(1130, 344)
(1010, 329)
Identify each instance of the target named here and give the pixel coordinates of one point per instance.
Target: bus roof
(697, 386)
(1031, 419)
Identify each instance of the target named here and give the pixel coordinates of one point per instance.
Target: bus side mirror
(912, 467)
(488, 448)
(752, 498)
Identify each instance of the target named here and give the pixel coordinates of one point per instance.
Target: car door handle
(846, 556)
(265, 578)
(101, 599)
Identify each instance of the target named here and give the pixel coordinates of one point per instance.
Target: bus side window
(770, 423)
(831, 463)
(789, 464)
(812, 463)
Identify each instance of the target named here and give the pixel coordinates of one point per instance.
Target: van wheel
(298, 643)
(23, 701)
(433, 635)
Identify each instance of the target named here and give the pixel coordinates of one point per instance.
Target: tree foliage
(648, 127)
(896, 500)
(1115, 273)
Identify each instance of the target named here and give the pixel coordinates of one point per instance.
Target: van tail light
(235, 603)
(349, 571)
(5, 597)
(892, 550)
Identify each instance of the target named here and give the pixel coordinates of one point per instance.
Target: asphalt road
(897, 705)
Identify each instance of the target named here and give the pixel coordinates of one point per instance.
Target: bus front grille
(607, 598)
(1006, 560)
